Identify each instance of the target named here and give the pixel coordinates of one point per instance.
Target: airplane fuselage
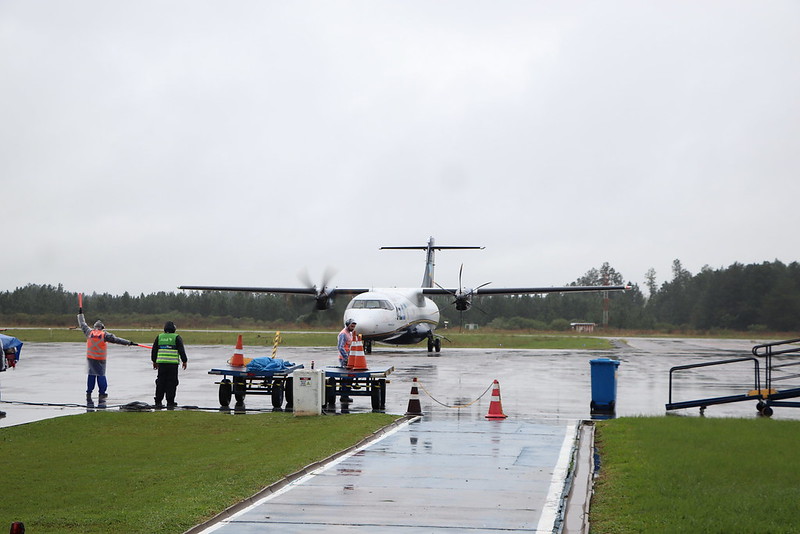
(400, 316)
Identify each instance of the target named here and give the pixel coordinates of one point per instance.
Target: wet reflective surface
(536, 385)
(451, 469)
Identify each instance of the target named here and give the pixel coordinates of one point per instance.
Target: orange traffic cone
(357, 361)
(414, 407)
(238, 355)
(496, 407)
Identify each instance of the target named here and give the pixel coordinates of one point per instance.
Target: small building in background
(583, 327)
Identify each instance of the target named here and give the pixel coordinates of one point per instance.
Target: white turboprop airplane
(403, 316)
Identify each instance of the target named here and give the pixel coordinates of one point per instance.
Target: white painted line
(547, 521)
(306, 477)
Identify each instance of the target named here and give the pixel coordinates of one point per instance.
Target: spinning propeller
(323, 295)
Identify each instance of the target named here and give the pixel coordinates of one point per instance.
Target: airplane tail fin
(427, 277)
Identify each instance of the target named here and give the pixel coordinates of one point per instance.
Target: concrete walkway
(426, 476)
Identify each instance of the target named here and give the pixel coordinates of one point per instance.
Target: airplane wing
(323, 297)
(284, 290)
(520, 290)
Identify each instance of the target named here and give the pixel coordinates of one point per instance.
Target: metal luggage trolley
(277, 384)
(709, 401)
(779, 370)
(366, 383)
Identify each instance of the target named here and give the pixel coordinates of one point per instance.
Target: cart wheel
(288, 393)
(375, 390)
(330, 391)
(767, 411)
(225, 392)
(382, 389)
(760, 406)
(277, 395)
(239, 390)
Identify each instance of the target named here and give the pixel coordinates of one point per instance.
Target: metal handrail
(768, 353)
(722, 362)
(768, 348)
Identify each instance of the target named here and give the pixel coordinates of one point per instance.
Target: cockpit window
(371, 304)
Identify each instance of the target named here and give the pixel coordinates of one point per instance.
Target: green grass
(675, 474)
(156, 472)
(456, 339)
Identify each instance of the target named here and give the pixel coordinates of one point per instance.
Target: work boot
(158, 405)
(346, 399)
(102, 396)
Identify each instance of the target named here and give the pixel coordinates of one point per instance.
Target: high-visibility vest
(96, 346)
(168, 348)
(348, 339)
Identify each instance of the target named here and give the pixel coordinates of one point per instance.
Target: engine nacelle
(463, 302)
(323, 302)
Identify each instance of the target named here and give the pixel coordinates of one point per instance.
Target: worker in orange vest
(346, 337)
(97, 340)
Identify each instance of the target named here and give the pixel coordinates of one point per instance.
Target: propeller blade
(444, 289)
(327, 275)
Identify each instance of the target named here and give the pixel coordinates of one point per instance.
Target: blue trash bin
(604, 385)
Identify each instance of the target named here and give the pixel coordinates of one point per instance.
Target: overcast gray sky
(149, 144)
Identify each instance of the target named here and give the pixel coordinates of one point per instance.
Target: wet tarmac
(450, 470)
(537, 385)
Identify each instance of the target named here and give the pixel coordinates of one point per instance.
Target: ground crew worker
(9, 354)
(345, 339)
(167, 353)
(97, 340)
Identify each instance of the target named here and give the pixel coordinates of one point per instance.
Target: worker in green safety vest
(168, 352)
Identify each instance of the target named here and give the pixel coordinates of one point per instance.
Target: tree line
(756, 297)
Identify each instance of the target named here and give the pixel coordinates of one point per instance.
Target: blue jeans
(102, 384)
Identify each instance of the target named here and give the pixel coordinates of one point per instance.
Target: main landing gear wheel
(437, 345)
(430, 345)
